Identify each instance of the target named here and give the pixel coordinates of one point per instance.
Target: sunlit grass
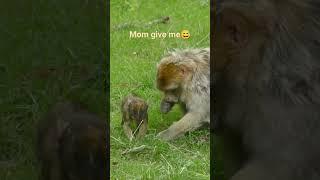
(133, 68)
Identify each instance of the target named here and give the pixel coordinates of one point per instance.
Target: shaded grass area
(50, 51)
(133, 70)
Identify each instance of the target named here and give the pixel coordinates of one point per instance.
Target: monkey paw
(166, 135)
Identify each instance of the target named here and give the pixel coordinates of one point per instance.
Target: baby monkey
(72, 144)
(134, 116)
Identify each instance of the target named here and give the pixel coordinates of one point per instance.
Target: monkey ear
(235, 29)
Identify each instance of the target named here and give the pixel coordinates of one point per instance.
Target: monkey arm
(51, 168)
(143, 129)
(127, 129)
(48, 142)
(189, 122)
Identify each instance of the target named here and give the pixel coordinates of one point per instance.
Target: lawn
(50, 51)
(133, 70)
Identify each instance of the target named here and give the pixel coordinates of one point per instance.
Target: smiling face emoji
(185, 34)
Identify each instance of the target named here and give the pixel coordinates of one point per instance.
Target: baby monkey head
(134, 116)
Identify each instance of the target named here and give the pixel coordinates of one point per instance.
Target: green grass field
(133, 70)
(50, 51)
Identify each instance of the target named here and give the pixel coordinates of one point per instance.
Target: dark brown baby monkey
(72, 144)
(134, 116)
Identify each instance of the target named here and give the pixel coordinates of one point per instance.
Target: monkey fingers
(191, 121)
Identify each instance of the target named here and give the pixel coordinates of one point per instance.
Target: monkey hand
(127, 130)
(131, 138)
(189, 122)
(166, 135)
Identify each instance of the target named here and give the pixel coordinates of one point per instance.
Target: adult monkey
(183, 77)
(267, 89)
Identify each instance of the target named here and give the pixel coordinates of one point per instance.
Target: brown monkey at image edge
(267, 89)
(72, 144)
(184, 78)
(134, 116)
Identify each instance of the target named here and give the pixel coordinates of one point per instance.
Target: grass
(133, 70)
(50, 51)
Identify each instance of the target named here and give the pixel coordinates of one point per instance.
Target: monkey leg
(191, 121)
(127, 130)
(265, 170)
(49, 155)
(143, 129)
(51, 168)
(55, 171)
(233, 157)
(50, 171)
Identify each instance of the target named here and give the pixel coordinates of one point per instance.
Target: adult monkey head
(239, 38)
(267, 90)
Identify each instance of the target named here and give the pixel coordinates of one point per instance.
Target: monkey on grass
(134, 116)
(184, 78)
(72, 144)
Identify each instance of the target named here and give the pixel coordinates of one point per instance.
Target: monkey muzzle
(166, 106)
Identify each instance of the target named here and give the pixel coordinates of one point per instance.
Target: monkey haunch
(134, 116)
(72, 144)
(268, 88)
(183, 76)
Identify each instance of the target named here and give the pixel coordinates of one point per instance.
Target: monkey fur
(184, 78)
(72, 144)
(134, 116)
(267, 89)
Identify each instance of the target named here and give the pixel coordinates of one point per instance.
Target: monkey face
(171, 97)
(239, 39)
(169, 79)
(134, 116)
(134, 113)
(165, 106)
(138, 111)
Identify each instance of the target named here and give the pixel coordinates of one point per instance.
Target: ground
(50, 51)
(133, 70)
